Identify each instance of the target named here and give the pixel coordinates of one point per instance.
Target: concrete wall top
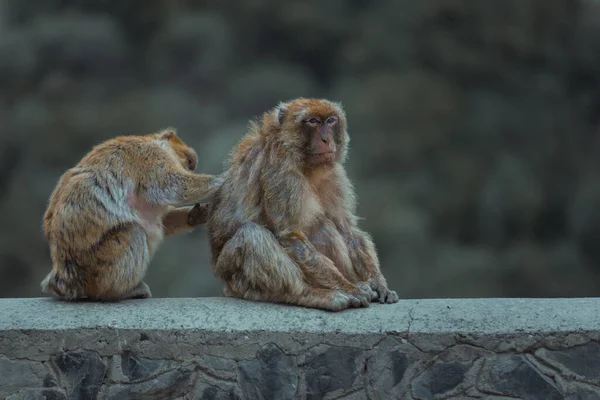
(478, 316)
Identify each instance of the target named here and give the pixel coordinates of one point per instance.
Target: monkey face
(317, 126)
(320, 132)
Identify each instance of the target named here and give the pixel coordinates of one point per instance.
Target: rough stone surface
(84, 372)
(38, 394)
(169, 385)
(136, 368)
(16, 374)
(583, 360)
(331, 370)
(439, 379)
(584, 394)
(514, 375)
(272, 375)
(385, 371)
(226, 349)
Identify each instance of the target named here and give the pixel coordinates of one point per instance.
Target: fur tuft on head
(300, 108)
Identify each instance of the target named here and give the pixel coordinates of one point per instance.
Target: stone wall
(228, 349)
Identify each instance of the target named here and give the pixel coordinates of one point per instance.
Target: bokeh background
(475, 150)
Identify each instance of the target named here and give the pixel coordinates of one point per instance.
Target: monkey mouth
(322, 158)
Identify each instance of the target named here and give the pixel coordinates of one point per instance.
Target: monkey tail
(57, 287)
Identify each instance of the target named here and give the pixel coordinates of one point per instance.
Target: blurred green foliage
(474, 124)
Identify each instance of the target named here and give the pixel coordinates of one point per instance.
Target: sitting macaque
(282, 226)
(109, 213)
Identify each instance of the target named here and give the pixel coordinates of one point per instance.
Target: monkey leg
(327, 240)
(117, 265)
(255, 267)
(366, 264)
(319, 270)
(184, 219)
(310, 297)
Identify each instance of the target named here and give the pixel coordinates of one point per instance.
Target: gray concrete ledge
(492, 316)
(218, 348)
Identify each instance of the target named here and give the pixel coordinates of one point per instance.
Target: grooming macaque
(108, 215)
(282, 226)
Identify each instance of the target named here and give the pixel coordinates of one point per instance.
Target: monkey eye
(313, 121)
(331, 120)
(190, 163)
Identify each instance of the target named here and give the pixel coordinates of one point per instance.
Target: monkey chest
(311, 211)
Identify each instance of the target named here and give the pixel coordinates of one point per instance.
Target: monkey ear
(168, 134)
(280, 112)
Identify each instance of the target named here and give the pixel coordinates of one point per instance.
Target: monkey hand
(198, 214)
(296, 245)
(381, 291)
(289, 238)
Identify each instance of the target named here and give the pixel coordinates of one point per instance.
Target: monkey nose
(324, 140)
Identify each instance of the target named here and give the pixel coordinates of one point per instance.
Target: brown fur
(282, 226)
(109, 213)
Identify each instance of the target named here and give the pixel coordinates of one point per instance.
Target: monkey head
(315, 129)
(184, 153)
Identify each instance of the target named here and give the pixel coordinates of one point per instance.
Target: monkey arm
(362, 253)
(184, 219)
(284, 189)
(365, 263)
(177, 188)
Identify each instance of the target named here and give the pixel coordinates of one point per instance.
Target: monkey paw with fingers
(198, 214)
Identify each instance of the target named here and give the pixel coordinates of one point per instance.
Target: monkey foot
(365, 287)
(141, 291)
(343, 300)
(386, 296)
(227, 292)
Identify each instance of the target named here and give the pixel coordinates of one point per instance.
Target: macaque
(108, 215)
(282, 226)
